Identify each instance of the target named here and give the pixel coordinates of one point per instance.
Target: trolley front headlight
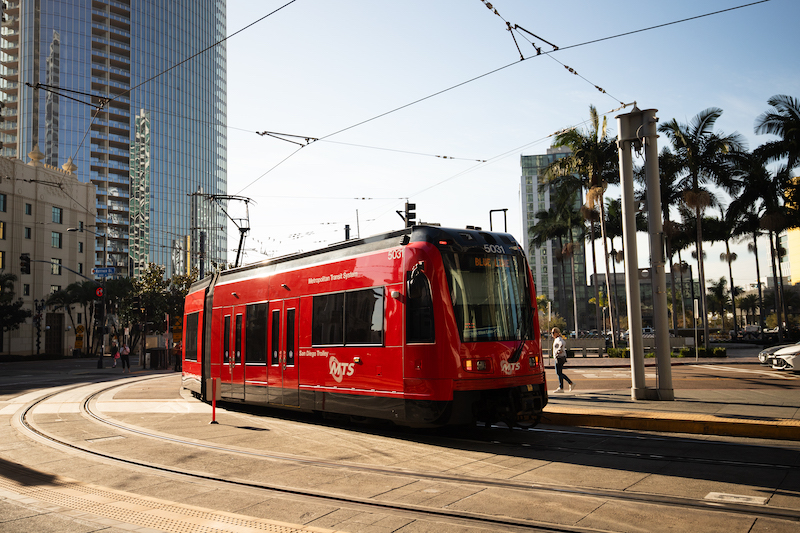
(477, 365)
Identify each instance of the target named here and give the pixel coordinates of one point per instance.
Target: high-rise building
(130, 95)
(551, 274)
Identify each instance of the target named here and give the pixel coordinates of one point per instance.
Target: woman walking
(560, 354)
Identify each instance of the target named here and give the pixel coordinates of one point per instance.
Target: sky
(428, 101)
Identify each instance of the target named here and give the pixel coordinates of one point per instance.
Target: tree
(558, 223)
(63, 299)
(718, 298)
(721, 230)
(748, 304)
(595, 161)
(704, 160)
(11, 312)
(669, 167)
(82, 293)
(758, 207)
(783, 120)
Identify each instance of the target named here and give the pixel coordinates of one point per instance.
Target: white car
(786, 358)
(765, 354)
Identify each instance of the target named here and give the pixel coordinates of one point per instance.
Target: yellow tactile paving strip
(698, 423)
(112, 507)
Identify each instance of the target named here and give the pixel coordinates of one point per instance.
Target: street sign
(104, 271)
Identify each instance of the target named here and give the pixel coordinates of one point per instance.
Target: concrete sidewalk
(755, 413)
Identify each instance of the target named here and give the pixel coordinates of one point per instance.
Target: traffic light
(410, 214)
(25, 263)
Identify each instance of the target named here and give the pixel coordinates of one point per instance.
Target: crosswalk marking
(611, 373)
(771, 373)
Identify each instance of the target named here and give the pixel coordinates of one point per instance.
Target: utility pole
(637, 129)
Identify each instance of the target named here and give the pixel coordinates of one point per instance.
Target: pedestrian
(560, 355)
(114, 353)
(126, 361)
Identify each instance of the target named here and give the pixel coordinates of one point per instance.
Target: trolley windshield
(490, 295)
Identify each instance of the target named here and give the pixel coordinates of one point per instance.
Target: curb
(777, 428)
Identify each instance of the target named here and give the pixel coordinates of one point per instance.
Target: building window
(79, 320)
(2, 230)
(28, 233)
(58, 215)
(28, 209)
(55, 266)
(80, 247)
(55, 239)
(80, 268)
(2, 260)
(54, 288)
(2, 203)
(26, 289)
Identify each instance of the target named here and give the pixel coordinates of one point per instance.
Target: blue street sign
(103, 271)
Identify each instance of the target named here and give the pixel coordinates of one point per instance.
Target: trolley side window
(363, 316)
(419, 312)
(348, 318)
(238, 338)
(290, 337)
(327, 322)
(227, 340)
(190, 350)
(256, 334)
(276, 336)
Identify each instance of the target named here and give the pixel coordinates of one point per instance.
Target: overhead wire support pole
(242, 224)
(637, 129)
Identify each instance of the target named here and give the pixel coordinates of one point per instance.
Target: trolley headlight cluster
(476, 365)
(533, 361)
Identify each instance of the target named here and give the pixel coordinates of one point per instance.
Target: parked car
(766, 354)
(786, 358)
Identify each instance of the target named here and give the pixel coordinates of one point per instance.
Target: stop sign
(99, 292)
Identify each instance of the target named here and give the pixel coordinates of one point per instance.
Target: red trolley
(424, 326)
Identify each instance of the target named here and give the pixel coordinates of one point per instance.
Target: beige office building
(38, 204)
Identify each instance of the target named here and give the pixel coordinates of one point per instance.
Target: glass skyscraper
(122, 93)
(544, 260)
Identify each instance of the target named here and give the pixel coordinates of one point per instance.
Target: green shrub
(617, 352)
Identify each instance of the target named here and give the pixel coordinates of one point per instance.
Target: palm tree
(669, 168)
(718, 298)
(748, 304)
(782, 120)
(721, 229)
(557, 223)
(758, 207)
(703, 157)
(82, 293)
(595, 161)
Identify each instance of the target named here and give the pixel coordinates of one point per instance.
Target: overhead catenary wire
(499, 69)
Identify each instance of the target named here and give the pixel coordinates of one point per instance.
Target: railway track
(535, 491)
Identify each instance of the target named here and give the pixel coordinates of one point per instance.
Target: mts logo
(340, 370)
(508, 368)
